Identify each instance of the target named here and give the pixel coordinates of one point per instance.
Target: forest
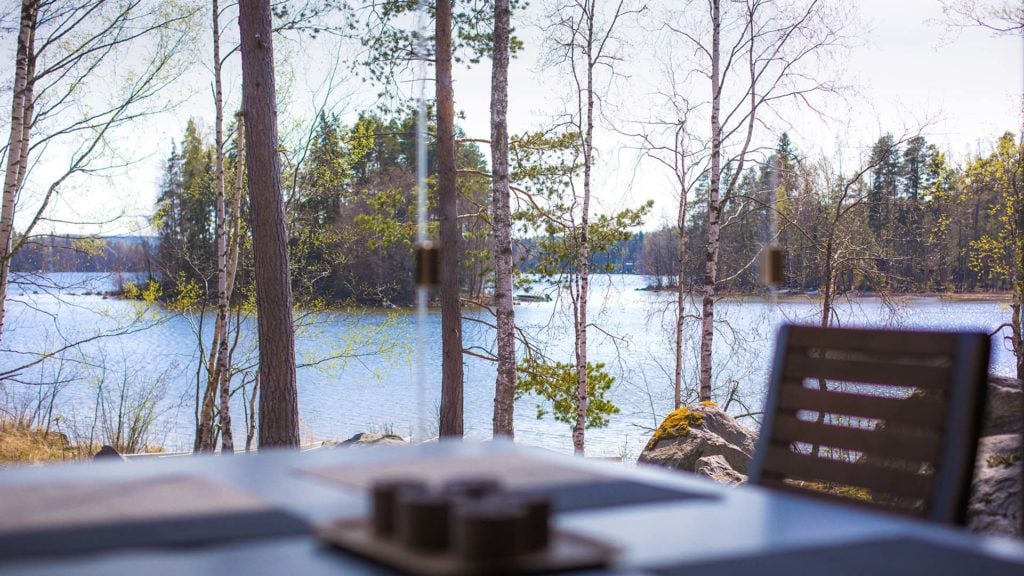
(908, 221)
(915, 222)
(925, 225)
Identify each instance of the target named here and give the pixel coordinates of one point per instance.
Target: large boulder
(706, 441)
(1004, 408)
(994, 507)
(995, 504)
(108, 452)
(702, 439)
(718, 469)
(365, 439)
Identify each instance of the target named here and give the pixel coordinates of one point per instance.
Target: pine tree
(884, 179)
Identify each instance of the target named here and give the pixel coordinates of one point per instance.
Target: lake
(359, 374)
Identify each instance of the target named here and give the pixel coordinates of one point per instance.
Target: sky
(906, 70)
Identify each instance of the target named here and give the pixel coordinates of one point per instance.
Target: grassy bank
(19, 445)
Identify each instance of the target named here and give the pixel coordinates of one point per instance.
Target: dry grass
(840, 490)
(20, 445)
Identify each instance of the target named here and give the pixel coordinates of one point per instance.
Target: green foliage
(89, 246)
(911, 222)
(556, 383)
(188, 295)
(185, 210)
(149, 293)
(543, 166)
(997, 253)
(387, 31)
(353, 211)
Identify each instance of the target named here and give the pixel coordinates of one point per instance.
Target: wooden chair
(887, 419)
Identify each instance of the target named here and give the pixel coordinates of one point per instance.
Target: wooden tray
(567, 551)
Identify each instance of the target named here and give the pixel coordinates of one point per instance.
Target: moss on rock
(676, 425)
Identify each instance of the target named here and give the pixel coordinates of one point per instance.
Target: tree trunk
(220, 337)
(234, 247)
(279, 410)
(828, 284)
(451, 313)
(235, 242)
(505, 385)
(250, 425)
(681, 254)
(582, 397)
(1017, 270)
(205, 432)
(18, 144)
(1017, 327)
(714, 211)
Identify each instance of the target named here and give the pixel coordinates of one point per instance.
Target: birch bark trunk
(714, 211)
(681, 257)
(234, 248)
(582, 397)
(22, 108)
(505, 385)
(223, 370)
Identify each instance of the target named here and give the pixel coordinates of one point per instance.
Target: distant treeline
(625, 257)
(69, 253)
(906, 220)
(54, 253)
(910, 221)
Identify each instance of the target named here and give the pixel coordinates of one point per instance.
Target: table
(703, 530)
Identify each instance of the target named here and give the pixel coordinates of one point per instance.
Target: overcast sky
(906, 67)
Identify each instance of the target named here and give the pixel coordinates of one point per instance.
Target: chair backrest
(889, 419)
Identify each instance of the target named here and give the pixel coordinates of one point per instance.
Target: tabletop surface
(259, 509)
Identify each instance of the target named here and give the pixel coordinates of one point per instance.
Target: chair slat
(889, 443)
(883, 373)
(884, 341)
(876, 479)
(916, 458)
(919, 411)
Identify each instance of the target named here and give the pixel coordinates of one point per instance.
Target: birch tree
(505, 385)
(309, 17)
(204, 441)
(220, 333)
(669, 141)
(757, 55)
(66, 51)
(583, 42)
(999, 16)
(22, 106)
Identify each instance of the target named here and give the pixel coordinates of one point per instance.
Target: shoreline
(989, 296)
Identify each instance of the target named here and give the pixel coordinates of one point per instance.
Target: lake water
(360, 376)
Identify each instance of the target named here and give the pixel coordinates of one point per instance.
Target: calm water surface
(359, 374)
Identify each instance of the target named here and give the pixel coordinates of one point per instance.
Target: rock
(718, 469)
(108, 452)
(1004, 407)
(706, 441)
(995, 504)
(696, 433)
(364, 439)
